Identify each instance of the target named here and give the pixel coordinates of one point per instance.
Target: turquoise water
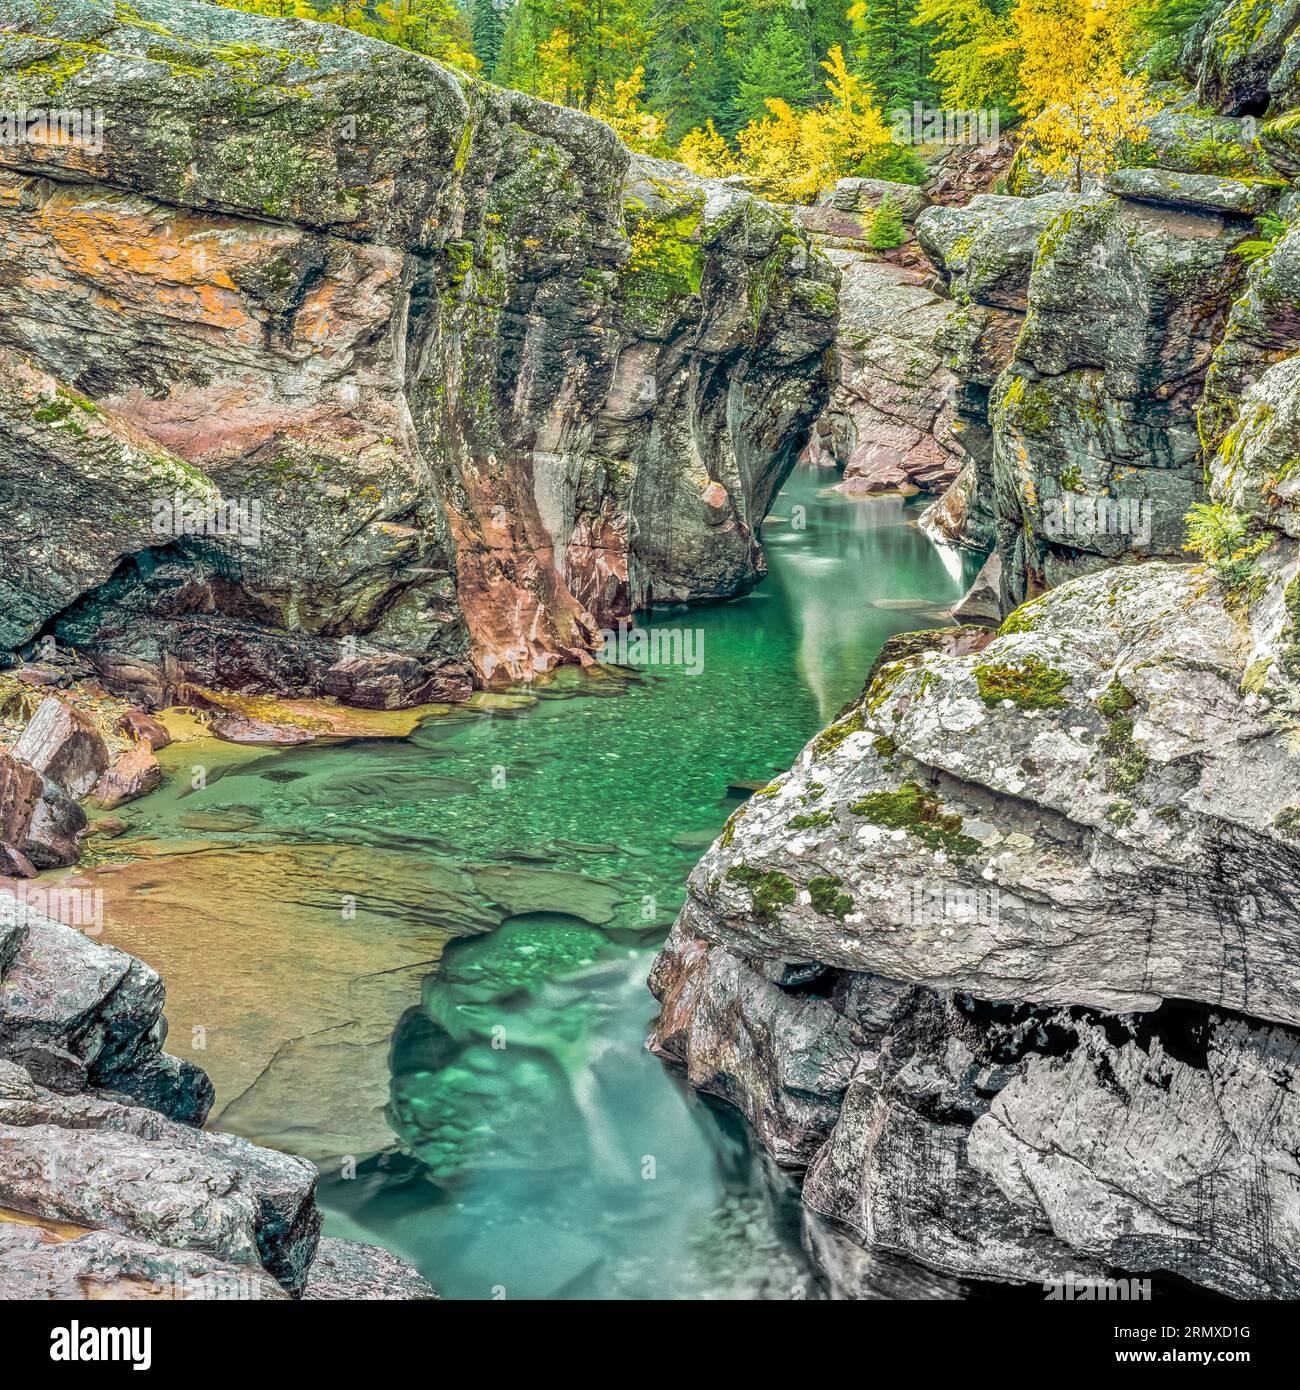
(538, 1150)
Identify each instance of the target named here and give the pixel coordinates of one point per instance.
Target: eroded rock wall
(481, 401)
(1009, 950)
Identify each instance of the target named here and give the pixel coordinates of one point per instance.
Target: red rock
(40, 675)
(240, 728)
(15, 864)
(57, 822)
(20, 790)
(136, 724)
(390, 680)
(135, 773)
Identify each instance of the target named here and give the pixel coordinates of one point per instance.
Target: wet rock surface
(374, 417)
(1035, 898)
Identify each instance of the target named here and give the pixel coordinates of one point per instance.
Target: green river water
(421, 962)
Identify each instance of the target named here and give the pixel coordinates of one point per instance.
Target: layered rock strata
(363, 377)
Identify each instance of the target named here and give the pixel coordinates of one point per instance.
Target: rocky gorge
(489, 382)
(1005, 962)
(335, 380)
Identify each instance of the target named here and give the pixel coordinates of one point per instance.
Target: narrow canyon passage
(506, 1128)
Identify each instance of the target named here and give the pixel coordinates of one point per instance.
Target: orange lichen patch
(51, 283)
(62, 150)
(341, 312)
(128, 1288)
(315, 322)
(136, 252)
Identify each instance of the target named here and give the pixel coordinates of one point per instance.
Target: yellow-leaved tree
(1083, 107)
(1081, 138)
(792, 155)
(620, 106)
(975, 52)
(1060, 63)
(707, 153)
(853, 127)
(787, 153)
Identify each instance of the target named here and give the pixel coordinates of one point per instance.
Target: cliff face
(1011, 946)
(481, 382)
(887, 425)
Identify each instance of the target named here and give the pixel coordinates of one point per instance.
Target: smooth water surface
(421, 962)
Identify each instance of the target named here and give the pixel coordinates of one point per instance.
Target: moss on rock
(921, 814)
(1032, 685)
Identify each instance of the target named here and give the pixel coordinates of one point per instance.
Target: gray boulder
(97, 1163)
(347, 1270)
(44, 1260)
(1201, 192)
(77, 1013)
(1240, 55)
(784, 1061)
(866, 195)
(981, 603)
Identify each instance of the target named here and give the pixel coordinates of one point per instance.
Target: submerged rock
(133, 774)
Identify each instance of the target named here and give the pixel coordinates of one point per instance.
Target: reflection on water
(421, 962)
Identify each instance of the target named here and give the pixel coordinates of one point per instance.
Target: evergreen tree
(777, 68)
(488, 29)
(893, 52)
(690, 73)
(572, 51)
(886, 230)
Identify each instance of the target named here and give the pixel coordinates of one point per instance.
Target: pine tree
(777, 69)
(893, 51)
(487, 26)
(690, 73)
(886, 230)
